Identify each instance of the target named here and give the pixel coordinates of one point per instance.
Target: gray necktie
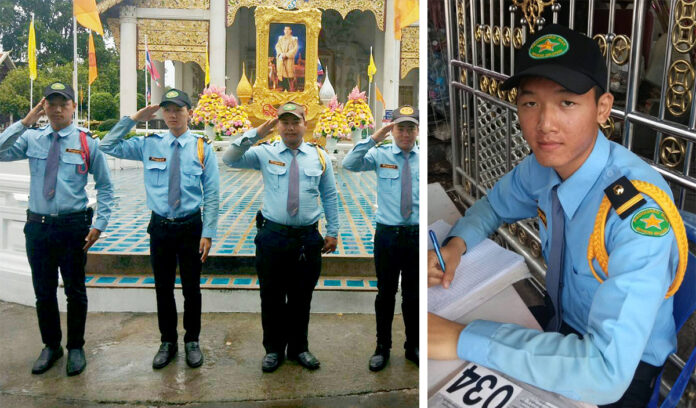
(51, 173)
(554, 274)
(174, 178)
(406, 188)
(294, 186)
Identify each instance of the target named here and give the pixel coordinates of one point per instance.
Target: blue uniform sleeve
(598, 367)
(13, 143)
(329, 198)
(113, 143)
(362, 157)
(211, 194)
(240, 155)
(511, 199)
(105, 188)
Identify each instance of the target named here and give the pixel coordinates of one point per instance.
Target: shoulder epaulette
(624, 197)
(207, 140)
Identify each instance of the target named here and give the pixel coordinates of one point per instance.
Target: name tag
(277, 163)
(388, 166)
(76, 151)
(158, 159)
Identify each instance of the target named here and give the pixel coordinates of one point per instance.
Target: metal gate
(649, 49)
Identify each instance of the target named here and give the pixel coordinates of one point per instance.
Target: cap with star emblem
(291, 108)
(562, 55)
(59, 88)
(177, 97)
(405, 113)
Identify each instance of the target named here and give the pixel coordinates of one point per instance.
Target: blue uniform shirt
(623, 320)
(155, 152)
(387, 161)
(274, 162)
(18, 142)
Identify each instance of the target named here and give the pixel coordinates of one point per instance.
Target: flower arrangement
(221, 111)
(332, 123)
(358, 112)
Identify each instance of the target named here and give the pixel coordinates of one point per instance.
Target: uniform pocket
(155, 173)
(70, 162)
(274, 174)
(37, 159)
(311, 178)
(192, 175)
(387, 178)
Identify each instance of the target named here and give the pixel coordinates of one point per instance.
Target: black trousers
(50, 248)
(288, 264)
(396, 254)
(172, 243)
(639, 391)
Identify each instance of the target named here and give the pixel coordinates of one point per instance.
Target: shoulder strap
(84, 168)
(624, 197)
(201, 152)
(322, 159)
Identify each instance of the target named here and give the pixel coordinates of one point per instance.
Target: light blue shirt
(274, 162)
(199, 186)
(18, 142)
(624, 320)
(387, 161)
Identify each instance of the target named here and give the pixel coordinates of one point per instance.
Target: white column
(218, 43)
(187, 78)
(178, 74)
(158, 91)
(128, 69)
(392, 53)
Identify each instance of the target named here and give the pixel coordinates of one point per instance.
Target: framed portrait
(286, 59)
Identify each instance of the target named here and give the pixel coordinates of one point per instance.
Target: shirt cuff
(100, 225)
(208, 233)
(127, 119)
(469, 235)
(475, 341)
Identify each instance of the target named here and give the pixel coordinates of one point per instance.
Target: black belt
(411, 229)
(289, 229)
(176, 221)
(84, 216)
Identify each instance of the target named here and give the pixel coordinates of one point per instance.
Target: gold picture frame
(265, 100)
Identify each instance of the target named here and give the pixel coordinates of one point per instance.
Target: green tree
(103, 106)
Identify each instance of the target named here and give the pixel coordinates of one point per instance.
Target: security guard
(288, 242)
(603, 343)
(396, 234)
(59, 228)
(181, 175)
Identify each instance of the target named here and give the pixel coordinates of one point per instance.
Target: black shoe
(76, 361)
(166, 353)
(412, 354)
(271, 362)
(194, 356)
(46, 359)
(307, 360)
(379, 360)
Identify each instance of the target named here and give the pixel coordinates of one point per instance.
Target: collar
(572, 191)
(183, 139)
(304, 147)
(396, 149)
(66, 131)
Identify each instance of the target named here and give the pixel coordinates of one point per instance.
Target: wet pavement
(120, 347)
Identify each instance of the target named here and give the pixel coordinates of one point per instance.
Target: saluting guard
(181, 176)
(59, 228)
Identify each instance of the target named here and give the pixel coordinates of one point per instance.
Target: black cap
(177, 97)
(291, 108)
(405, 113)
(562, 55)
(59, 88)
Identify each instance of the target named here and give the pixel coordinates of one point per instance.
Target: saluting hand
(382, 133)
(34, 114)
(451, 255)
(91, 238)
(204, 248)
(146, 113)
(329, 245)
(266, 127)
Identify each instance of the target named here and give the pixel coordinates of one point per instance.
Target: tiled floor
(241, 194)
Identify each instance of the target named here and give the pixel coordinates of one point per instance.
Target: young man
(603, 343)
(288, 242)
(59, 228)
(181, 175)
(396, 234)
(286, 49)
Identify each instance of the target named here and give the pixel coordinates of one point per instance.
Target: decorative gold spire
(244, 91)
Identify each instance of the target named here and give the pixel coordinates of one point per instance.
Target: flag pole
(31, 80)
(147, 99)
(369, 88)
(75, 58)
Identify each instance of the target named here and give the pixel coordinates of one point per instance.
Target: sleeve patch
(650, 222)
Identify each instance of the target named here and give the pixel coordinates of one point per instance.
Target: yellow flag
(372, 68)
(207, 68)
(92, 60)
(85, 11)
(32, 51)
(379, 96)
(405, 14)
